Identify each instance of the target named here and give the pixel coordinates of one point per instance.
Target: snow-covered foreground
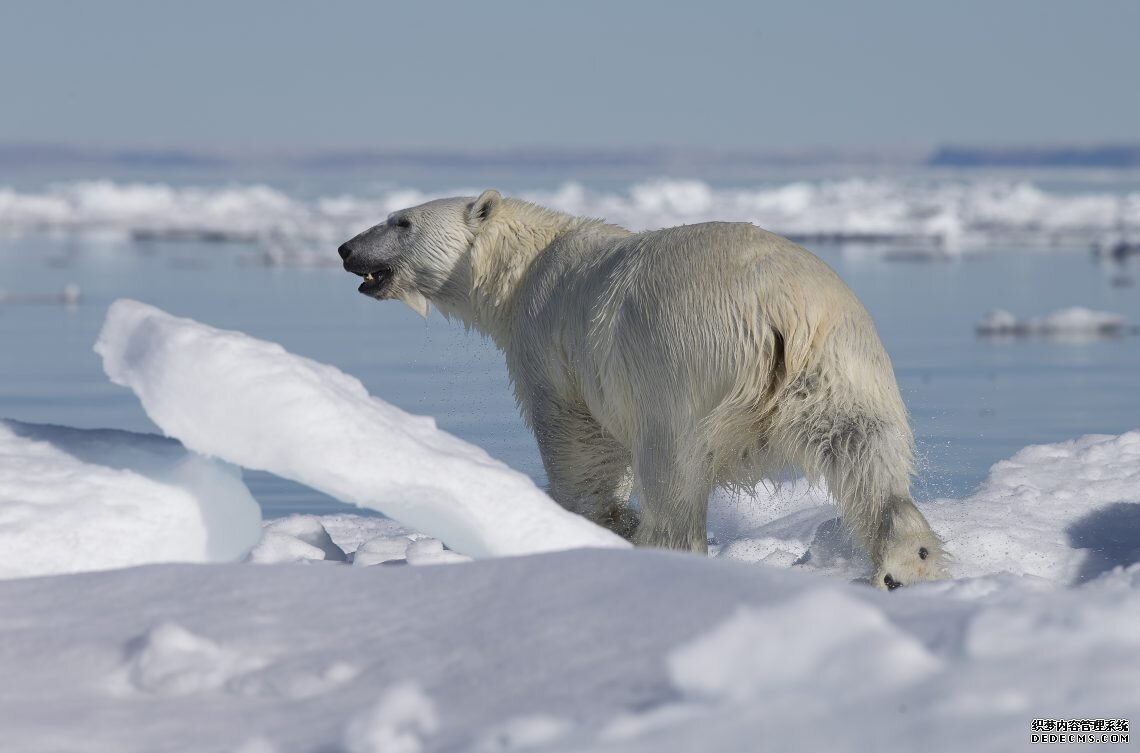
(572, 651)
(75, 499)
(953, 212)
(334, 640)
(252, 403)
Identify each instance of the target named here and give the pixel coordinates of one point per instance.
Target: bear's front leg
(587, 469)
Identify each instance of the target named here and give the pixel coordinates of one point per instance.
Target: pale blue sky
(344, 73)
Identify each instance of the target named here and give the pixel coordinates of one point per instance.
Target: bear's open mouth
(375, 282)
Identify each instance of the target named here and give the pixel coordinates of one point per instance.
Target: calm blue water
(972, 402)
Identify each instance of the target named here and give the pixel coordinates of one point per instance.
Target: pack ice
(252, 403)
(83, 499)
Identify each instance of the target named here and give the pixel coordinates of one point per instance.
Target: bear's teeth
(368, 277)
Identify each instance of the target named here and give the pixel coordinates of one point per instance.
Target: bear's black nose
(345, 251)
(890, 583)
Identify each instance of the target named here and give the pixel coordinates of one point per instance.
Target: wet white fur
(701, 355)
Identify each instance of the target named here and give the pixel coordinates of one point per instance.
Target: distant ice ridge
(953, 213)
(254, 404)
(86, 499)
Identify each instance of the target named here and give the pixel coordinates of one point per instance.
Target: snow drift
(254, 404)
(86, 499)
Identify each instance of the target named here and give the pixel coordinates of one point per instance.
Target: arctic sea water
(973, 402)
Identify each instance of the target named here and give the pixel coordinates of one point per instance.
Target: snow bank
(1065, 512)
(952, 212)
(252, 403)
(76, 499)
(1074, 323)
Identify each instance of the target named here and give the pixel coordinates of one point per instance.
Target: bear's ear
(483, 208)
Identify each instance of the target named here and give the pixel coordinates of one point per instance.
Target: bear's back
(732, 258)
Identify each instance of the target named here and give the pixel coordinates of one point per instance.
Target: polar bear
(694, 356)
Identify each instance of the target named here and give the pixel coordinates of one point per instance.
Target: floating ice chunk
(398, 723)
(998, 322)
(1074, 323)
(1078, 319)
(86, 499)
(69, 296)
(254, 404)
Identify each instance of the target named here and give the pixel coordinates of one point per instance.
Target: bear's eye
(400, 222)
(923, 554)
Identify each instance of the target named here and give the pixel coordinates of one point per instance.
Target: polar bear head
(910, 562)
(422, 253)
(911, 555)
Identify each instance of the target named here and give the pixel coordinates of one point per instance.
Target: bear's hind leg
(674, 480)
